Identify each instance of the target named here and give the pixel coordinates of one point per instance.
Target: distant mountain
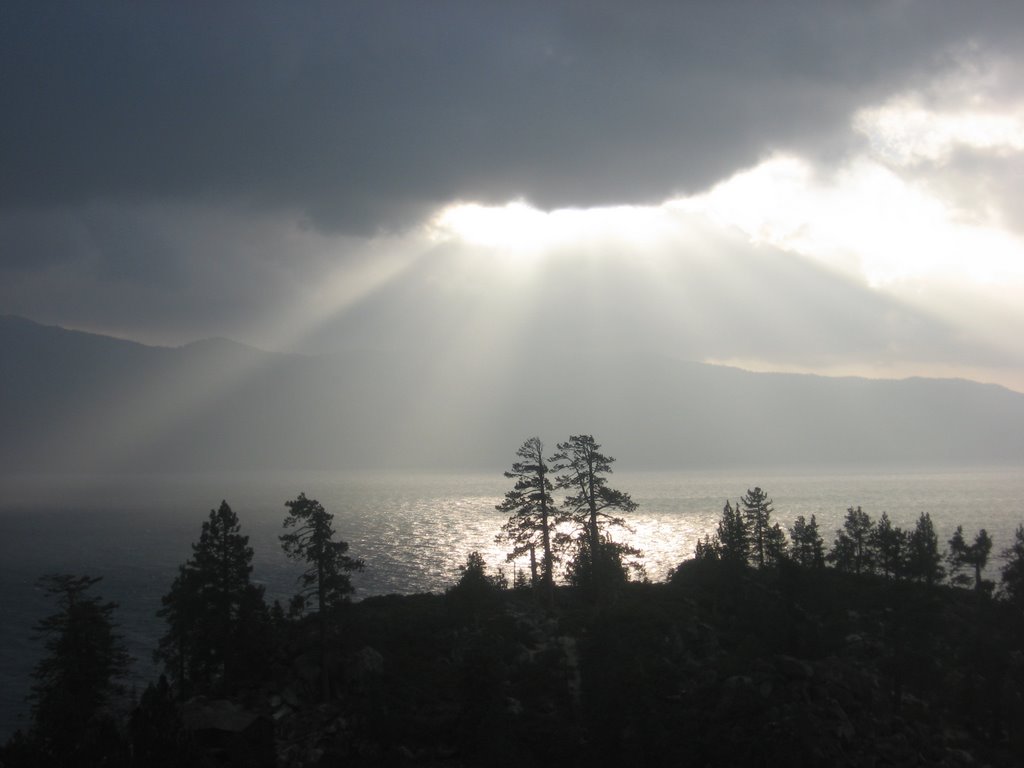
(75, 401)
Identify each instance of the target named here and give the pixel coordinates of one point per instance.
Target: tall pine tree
(532, 515)
(583, 471)
(326, 581)
(851, 551)
(216, 617)
(78, 678)
(757, 510)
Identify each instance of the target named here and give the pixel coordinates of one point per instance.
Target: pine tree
(78, 678)
(326, 581)
(963, 555)
(215, 615)
(604, 575)
(1013, 569)
(924, 560)
(808, 549)
(531, 509)
(775, 545)
(583, 471)
(851, 550)
(733, 537)
(889, 545)
(757, 510)
(706, 549)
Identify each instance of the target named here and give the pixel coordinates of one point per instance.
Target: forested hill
(80, 402)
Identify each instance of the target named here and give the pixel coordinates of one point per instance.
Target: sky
(832, 188)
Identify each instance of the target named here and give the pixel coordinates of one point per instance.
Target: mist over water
(412, 530)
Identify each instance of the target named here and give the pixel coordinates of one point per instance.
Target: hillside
(74, 401)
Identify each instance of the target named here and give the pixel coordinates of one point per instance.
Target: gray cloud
(175, 173)
(360, 115)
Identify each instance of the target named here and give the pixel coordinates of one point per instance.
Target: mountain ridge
(79, 401)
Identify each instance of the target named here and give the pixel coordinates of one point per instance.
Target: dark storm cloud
(362, 115)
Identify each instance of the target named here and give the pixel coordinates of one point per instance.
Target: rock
(290, 697)
(200, 714)
(366, 663)
(793, 668)
(230, 734)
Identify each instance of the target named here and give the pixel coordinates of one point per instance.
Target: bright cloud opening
(904, 133)
(518, 228)
(865, 220)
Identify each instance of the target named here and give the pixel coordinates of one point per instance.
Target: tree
(476, 589)
(808, 549)
(889, 547)
(157, 733)
(706, 549)
(583, 471)
(757, 510)
(1013, 569)
(733, 538)
(216, 616)
(924, 560)
(532, 516)
(78, 677)
(851, 550)
(326, 579)
(775, 545)
(604, 574)
(963, 555)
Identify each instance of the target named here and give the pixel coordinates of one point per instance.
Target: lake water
(412, 531)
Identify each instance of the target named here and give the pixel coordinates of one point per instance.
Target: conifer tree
(583, 469)
(706, 549)
(775, 545)
(757, 510)
(963, 555)
(78, 678)
(851, 550)
(808, 549)
(924, 560)
(889, 545)
(216, 617)
(531, 509)
(733, 537)
(1013, 569)
(326, 581)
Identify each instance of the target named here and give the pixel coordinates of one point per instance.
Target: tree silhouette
(475, 590)
(603, 575)
(963, 555)
(78, 677)
(851, 550)
(775, 545)
(326, 579)
(733, 536)
(1013, 569)
(808, 548)
(924, 560)
(532, 515)
(583, 469)
(707, 549)
(215, 615)
(757, 510)
(889, 544)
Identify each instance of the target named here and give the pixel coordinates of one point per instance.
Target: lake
(412, 530)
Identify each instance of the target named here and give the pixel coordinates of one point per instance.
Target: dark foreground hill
(79, 402)
(718, 667)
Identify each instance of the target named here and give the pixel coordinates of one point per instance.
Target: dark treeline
(765, 648)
